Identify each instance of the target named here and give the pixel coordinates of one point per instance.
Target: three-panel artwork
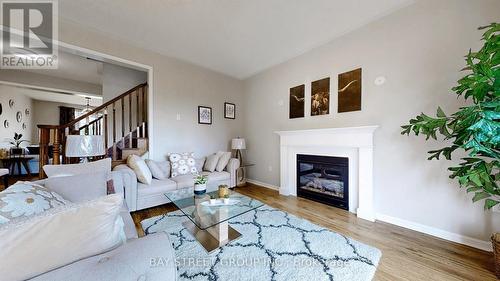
(348, 94)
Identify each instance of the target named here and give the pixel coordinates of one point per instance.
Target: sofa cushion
(140, 169)
(199, 164)
(149, 258)
(182, 164)
(103, 165)
(184, 181)
(156, 187)
(223, 160)
(159, 170)
(60, 236)
(27, 199)
(217, 176)
(79, 188)
(211, 162)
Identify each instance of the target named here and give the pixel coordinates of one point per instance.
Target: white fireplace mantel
(355, 143)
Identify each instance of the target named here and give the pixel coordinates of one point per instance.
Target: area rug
(274, 245)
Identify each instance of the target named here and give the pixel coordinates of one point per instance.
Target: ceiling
(235, 37)
(75, 68)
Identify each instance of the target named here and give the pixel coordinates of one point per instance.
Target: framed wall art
(320, 97)
(204, 115)
(229, 110)
(349, 90)
(297, 101)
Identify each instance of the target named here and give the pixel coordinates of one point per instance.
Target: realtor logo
(28, 34)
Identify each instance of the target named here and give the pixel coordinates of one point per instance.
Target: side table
(241, 174)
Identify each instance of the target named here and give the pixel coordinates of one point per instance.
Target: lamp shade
(84, 146)
(238, 144)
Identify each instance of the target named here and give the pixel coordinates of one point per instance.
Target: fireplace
(324, 179)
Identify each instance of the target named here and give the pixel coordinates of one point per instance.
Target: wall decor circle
(0, 109)
(5, 124)
(19, 117)
(11, 103)
(27, 112)
(24, 126)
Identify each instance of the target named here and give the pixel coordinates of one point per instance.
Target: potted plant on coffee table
(200, 184)
(473, 129)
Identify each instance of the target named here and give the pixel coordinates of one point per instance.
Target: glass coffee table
(208, 221)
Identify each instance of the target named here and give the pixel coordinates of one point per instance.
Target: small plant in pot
(213, 200)
(16, 142)
(200, 184)
(226, 199)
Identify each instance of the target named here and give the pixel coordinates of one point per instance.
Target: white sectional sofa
(142, 196)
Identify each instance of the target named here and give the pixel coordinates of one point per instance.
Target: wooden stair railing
(129, 109)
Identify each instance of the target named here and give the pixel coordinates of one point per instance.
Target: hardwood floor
(406, 254)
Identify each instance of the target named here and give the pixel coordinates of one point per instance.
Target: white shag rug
(274, 245)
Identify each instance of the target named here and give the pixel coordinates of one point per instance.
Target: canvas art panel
(320, 97)
(297, 101)
(229, 110)
(349, 91)
(204, 115)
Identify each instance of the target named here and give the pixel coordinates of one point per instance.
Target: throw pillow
(182, 163)
(211, 162)
(60, 236)
(199, 164)
(26, 199)
(79, 188)
(223, 160)
(157, 169)
(140, 168)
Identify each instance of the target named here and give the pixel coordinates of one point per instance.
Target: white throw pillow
(60, 236)
(199, 164)
(140, 168)
(158, 169)
(27, 199)
(223, 160)
(211, 162)
(182, 164)
(79, 188)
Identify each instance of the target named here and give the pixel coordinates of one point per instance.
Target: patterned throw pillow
(25, 199)
(182, 164)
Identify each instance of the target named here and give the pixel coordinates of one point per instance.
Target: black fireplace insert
(324, 179)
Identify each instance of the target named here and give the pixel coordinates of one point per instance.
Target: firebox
(324, 179)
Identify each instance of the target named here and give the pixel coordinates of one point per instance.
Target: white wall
(178, 88)
(420, 50)
(22, 102)
(116, 80)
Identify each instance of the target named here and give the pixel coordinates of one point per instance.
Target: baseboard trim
(263, 184)
(443, 234)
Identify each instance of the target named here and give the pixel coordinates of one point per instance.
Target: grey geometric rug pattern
(274, 245)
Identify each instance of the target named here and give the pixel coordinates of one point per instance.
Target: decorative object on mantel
(84, 146)
(238, 144)
(297, 101)
(19, 117)
(16, 142)
(200, 184)
(349, 91)
(229, 110)
(320, 97)
(204, 115)
(473, 129)
(11, 103)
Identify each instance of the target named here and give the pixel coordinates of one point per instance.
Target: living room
(271, 140)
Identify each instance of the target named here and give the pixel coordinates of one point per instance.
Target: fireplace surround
(354, 143)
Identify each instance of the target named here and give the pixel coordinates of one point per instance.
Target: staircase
(121, 121)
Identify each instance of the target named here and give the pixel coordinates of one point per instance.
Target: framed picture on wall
(204, 115)
(297, 101)
(229, 110)
(320, 97)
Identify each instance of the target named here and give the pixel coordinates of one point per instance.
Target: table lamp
(84, 146)
(238, 144)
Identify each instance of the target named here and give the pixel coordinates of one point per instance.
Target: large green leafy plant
(475, 128)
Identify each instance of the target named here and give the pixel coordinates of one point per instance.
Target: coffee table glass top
(205, 215)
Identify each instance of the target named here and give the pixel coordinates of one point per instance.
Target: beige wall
(178, 88)
(22, 102)
(420, 50)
